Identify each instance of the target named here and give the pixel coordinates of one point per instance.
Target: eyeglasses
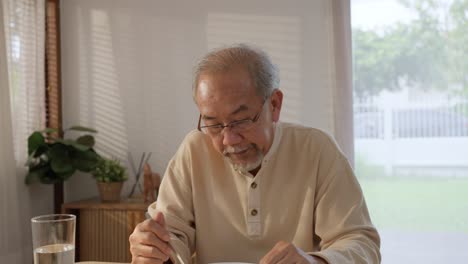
(238, 126)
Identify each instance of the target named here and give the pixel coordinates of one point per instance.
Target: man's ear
(275, 103)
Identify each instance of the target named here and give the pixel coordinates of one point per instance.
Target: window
(410, 76)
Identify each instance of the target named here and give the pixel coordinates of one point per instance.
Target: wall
(127, 67)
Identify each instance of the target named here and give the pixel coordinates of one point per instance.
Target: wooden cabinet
(102, 229)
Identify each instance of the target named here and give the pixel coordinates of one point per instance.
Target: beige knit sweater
(305, 193)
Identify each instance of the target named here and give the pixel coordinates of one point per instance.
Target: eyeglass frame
(230, 124)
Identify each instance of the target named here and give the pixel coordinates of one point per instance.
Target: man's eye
(242, 123)
(213, 125)
(209, 123)
(214, 129)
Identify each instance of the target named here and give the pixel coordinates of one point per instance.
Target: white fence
(419, 139)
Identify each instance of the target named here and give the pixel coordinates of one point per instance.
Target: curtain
(343, 90)
(21, 112)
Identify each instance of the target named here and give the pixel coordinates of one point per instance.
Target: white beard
(245, 167)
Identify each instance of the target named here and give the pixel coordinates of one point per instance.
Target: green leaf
(109, 170)
(31, 160)
(68, 142)
(40, 150)
(35, 140)
(86, 140)
(80, 147)
(50, 177)
(82, 129)
(34, 163)
(60, 159)
(75, 144)
(85, 161)
(57, 151)
(66, 175)
(52, 160)
(37, 172)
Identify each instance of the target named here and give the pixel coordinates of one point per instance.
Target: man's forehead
(203, 90)
(224, 88)
(234, 76)
(216, 109)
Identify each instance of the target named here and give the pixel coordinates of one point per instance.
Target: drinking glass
(54, 239)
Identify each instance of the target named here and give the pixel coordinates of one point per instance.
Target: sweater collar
(274, 146)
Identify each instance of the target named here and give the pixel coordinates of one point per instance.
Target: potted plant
(53, 159)
(109, 175)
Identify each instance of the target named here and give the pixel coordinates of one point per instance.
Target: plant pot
(109, 191)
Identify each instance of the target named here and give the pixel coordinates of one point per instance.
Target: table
(102, 229)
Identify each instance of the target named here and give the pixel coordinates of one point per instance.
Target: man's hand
(149, 241)
(284, 252)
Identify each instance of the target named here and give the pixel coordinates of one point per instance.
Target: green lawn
(417, 204)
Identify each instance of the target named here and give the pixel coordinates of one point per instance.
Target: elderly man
(245, 187)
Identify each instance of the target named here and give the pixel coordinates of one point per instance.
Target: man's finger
(150, 252)
(289, 257)
(150, 239)
(150, 225)
(278, 252)
(159, 218)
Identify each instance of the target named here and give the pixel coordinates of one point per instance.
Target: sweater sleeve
(342, 220)
(175, 202)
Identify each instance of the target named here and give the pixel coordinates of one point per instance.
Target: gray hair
(262, 71)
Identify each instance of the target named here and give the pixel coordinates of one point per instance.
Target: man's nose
(231, 137)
